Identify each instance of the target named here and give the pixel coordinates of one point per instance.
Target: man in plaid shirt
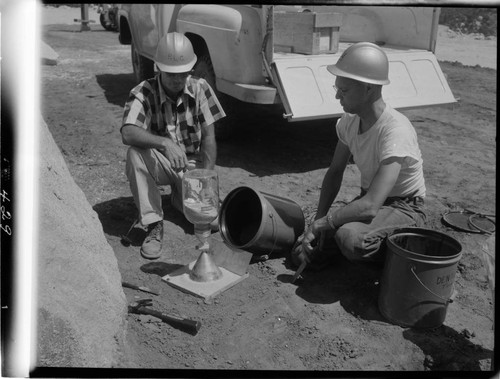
(168, 122)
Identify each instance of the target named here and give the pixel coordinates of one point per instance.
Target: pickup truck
(277, 54)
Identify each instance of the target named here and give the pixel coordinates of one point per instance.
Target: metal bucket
(259, 222)
(418, 278)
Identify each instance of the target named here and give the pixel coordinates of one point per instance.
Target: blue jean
(364, 241)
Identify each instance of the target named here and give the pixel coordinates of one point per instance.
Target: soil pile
(81, 306)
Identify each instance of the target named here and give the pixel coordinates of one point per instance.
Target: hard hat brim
(333, 69)
(177, 69)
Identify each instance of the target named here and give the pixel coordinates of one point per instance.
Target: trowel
(299, 271)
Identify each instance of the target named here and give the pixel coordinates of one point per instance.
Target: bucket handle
(446, 301)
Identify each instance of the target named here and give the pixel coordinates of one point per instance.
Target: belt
(416, 200)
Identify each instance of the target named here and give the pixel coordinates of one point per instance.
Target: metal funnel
(205, 270)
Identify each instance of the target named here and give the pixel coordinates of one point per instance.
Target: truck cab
(268, 54)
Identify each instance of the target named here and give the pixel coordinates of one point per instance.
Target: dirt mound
(81, 305)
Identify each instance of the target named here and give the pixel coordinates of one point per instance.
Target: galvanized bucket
(418, 278)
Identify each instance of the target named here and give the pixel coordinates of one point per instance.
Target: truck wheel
(143, 67)
(224, 128)
(106, 25)
(102, 20)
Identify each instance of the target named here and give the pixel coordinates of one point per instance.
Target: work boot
(151, 247)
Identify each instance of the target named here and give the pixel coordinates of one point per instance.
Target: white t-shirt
(391, 136)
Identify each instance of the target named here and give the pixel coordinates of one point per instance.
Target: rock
(79, 284)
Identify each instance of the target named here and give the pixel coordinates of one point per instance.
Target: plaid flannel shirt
(149, 107)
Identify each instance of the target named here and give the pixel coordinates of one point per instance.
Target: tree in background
(470, 20)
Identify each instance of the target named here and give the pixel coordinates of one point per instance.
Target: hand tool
(139, 288)
(125, 240)
(186, 325)
(304, 263)
(299, 271)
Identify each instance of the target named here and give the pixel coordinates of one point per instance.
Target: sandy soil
(328, 320)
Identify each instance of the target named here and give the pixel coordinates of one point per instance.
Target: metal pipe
(85, 18)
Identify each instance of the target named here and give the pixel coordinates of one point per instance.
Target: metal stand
(231, 264)
(85, 18)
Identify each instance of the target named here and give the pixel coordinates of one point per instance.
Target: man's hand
(174, 154)
(297, 251)
(299, 254)
(314, 237)
(138, 137)
(310, 237)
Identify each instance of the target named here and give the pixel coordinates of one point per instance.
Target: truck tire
(143, 67)
(102, 20)
(224, 129)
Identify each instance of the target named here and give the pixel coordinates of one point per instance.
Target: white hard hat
(175, 53)
(364, 62)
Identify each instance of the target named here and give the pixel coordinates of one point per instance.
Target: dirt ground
(327, 320)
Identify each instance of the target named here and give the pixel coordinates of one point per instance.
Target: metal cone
(205, 270)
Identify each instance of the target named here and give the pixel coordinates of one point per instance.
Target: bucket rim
(421, 257)
(222, 227)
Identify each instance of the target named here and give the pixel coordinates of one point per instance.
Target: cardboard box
(307, 32)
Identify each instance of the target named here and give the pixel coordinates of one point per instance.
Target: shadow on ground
(355, 286)
(264, 143)
(448, 350)
(118, 215)
(160, 268)
(116, 87)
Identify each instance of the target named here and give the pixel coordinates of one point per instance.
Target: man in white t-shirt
(384, 146)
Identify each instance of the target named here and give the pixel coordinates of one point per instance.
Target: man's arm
(329, 191)
(363, 209)
(367, 207)
(138, 137)
(208, 146)
(333, 179)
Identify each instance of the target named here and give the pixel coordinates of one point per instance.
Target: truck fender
(124, 34)
(232, 35)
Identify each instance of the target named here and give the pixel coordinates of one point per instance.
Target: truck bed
(389, 49)
(305, 86)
